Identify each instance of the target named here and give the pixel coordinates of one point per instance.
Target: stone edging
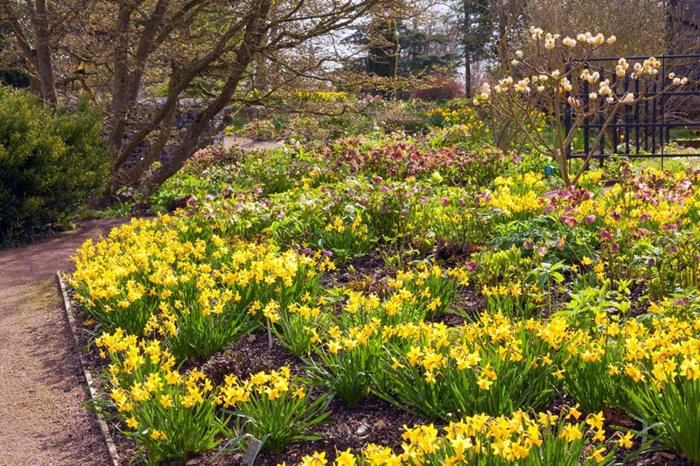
(70, 316)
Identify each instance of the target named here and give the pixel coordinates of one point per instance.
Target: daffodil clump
(517, 197)
(172, 415)
(521, 438)
(649, 369)
(494, 366)
(347, 360)
(432, 289)
(198, 292)
(515, 283)
(297, 327)
(273, 406)
(348, 235)
(449, 116)
(661, 372)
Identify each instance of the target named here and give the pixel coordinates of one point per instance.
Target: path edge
(70, 317)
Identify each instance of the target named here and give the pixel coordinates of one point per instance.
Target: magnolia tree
(557, 74)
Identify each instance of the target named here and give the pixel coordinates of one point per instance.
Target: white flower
(684, 81)
(593, 96)
(514, 62)
(611, 40)
(540, 88)
(519, 54)
(569, 42)
(522, 86)
(628, 98)
(485, 91)
(556, 74)
(672, 76)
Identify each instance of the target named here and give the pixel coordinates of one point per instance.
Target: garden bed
(314, 317)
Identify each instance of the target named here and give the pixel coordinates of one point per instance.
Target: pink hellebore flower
(569, 220)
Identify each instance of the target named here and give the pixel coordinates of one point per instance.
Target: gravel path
(43, 420)
(248, 144)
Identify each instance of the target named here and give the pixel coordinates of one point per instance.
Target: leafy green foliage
(51, 163)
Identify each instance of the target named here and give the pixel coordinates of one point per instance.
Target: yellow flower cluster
(463, 116)
(148, 249)
(320, 96)
(518, 194)
(356, 226)
(154, 275)
(271, 385)
(669, 350)
(473, 346)
(352, 337)
(509, 439)
(149, 372)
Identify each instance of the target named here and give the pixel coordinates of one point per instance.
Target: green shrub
(51, 163)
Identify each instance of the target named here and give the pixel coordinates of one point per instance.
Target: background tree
(428, 49)
(477, 27)
(116, 50)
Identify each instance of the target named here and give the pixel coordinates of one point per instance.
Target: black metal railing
(642, 129)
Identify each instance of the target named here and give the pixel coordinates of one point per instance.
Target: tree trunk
(467, 75)
(43, 53)
(197, 133)
(121, 75)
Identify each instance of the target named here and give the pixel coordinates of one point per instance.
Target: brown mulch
(248, 356)
(469, 302)
(43, 419)
(363, 273)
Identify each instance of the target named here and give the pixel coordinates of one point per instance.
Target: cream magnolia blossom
(569, 42)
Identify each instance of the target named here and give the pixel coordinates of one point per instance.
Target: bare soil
(43, 418)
